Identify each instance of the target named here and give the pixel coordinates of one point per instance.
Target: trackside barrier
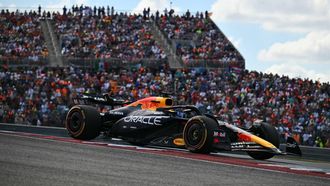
(309, 153)
(315, 153)
(51, 131)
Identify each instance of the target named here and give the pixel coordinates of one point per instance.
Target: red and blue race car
(156, 121)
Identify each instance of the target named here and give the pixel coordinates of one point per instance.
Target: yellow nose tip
(179, 141)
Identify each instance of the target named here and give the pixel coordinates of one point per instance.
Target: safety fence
(91, 63)
(113, 63)
(24, 62)
(195, 63)
(309, 153)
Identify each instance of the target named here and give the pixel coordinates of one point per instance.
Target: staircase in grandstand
(174, 60)
(55, 58)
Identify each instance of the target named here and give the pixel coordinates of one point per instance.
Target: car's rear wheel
(269, 133)
(198, 134)
(83, 122)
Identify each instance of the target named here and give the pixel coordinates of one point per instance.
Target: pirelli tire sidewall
(204, 140)
(88, 122)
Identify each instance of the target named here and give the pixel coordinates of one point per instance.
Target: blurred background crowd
(298, 107)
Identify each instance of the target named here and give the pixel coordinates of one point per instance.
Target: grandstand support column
(55, 58)
(174, 60)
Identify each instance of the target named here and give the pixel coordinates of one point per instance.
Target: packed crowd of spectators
(94, 33)
(295, 106)
(101, 33)
(206, 41)
(21, 35)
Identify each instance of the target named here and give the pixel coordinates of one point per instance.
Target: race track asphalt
(32, 161)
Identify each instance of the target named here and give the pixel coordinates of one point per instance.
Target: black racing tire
(269, 133)
(83, 122)
(198, 134)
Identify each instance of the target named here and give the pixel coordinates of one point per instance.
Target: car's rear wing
(103, 100)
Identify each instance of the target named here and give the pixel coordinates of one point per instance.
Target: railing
(115, 62)
(84, 62)
(195, 63)
(95, 63)
(23, 61)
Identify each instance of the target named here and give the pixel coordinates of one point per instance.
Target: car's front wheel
(198, 134)
(83, 122)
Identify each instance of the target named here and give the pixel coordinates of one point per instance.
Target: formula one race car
(155, 121)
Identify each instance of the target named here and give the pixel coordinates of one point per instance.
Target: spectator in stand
(39, 10)
(187, 15)
(157, 15)
(64, 11)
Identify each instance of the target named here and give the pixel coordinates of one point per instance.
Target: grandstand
(87, 37)
(141, 55)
